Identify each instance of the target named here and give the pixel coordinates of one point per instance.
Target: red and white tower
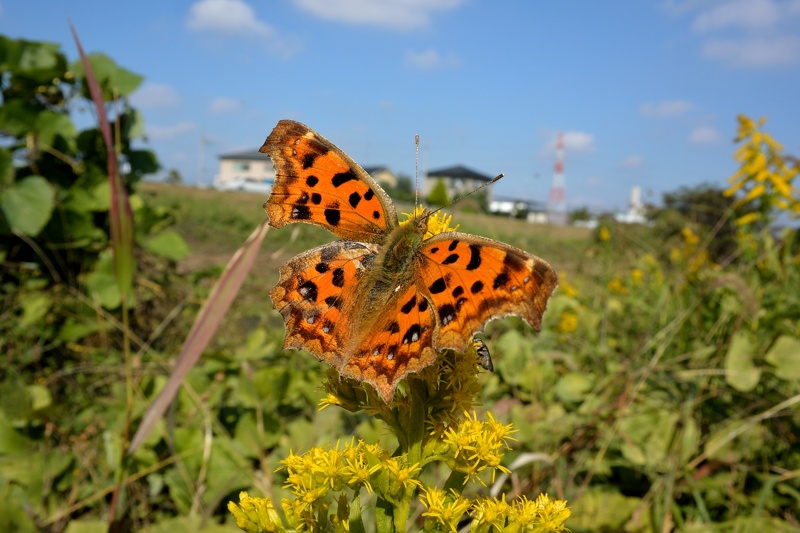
(557, 207)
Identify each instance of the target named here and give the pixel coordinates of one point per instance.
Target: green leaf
(50, 125)
(11, 442)
(785, 357)
(28, 205)
(102, 284)
(168, 244)
(740, 372)
(87, 526)
(34, 308)
(143, 162)
(113, 79)
(573, 387)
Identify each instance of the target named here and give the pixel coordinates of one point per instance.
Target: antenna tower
(557, 208)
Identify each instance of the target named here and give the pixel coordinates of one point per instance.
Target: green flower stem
(415, 432)
(356, 522)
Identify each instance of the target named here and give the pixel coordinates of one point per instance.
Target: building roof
(459, 172)
(247, 155)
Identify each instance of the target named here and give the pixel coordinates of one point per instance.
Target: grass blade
(121, 216)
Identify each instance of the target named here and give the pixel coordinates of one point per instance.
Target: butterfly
(380, 302)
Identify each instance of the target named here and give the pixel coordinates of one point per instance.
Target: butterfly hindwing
(471, 280)
(319, 184)
(399, 343)
(315, 293)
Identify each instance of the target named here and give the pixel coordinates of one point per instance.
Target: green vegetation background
(662, 392)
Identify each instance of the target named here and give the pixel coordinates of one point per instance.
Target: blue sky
(646, 93)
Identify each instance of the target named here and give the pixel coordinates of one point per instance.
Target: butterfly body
(379, 303)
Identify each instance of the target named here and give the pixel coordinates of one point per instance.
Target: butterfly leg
(483, 352)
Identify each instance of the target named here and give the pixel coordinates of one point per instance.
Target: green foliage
(438, 195)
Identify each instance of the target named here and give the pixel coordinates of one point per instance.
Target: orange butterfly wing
(315, 295)
(471, 280)
(400, 343)
(319, 184)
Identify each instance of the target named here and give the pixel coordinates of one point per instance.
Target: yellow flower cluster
(491, 515)
(438, 222)
(765, 174)
(255, 515)
(567, 321)
(472, 446)
(691, 255)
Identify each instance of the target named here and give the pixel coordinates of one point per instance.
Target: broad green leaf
(40, 397)
(115, 81)
(602, 510)
(35, 306)
(740, 372)
(785, 357)
(49, 125)
(16, 118)
(573, 387)
(142, 162)
(168, 244)
(11, 442)
(101, 283)
(28, 205)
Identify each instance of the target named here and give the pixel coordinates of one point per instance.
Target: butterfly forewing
(315, 295)
(319, 184)
(471, 280)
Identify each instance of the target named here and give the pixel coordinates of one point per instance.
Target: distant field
(216, 223)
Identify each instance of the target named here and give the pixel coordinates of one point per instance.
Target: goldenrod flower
(255, 515)
(402, 478)
(443, 508)
(604, 234)
(567, 321)
(438, 222)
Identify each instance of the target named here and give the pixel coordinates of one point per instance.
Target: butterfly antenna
(476, 189)
(416, 169)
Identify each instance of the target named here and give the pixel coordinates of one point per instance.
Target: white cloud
(395, 14)
(227, 17)
(704, 135)
(169, 132)
(155, 95)
(669, 108)
(431, 59)
(222, 105)
(632, 161)
(754, 52)
(749, 33)
(574, 142)
(747, 14)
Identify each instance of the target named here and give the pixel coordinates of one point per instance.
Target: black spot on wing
(437, 286)
(369, 194)
(453, 245)
(322, 267)
(447, 313)
(458, 291)
(409, 305)
(450, 259)
(308, 290)
(412, 334)
(500, 280)
(476, 287)
(300, 212)
(394, 327)
(333, 216)
(343, 177)
(312, 181)
(338, 277)
(474, 256)
(354, 200)
(308, 160)
(316, 198)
